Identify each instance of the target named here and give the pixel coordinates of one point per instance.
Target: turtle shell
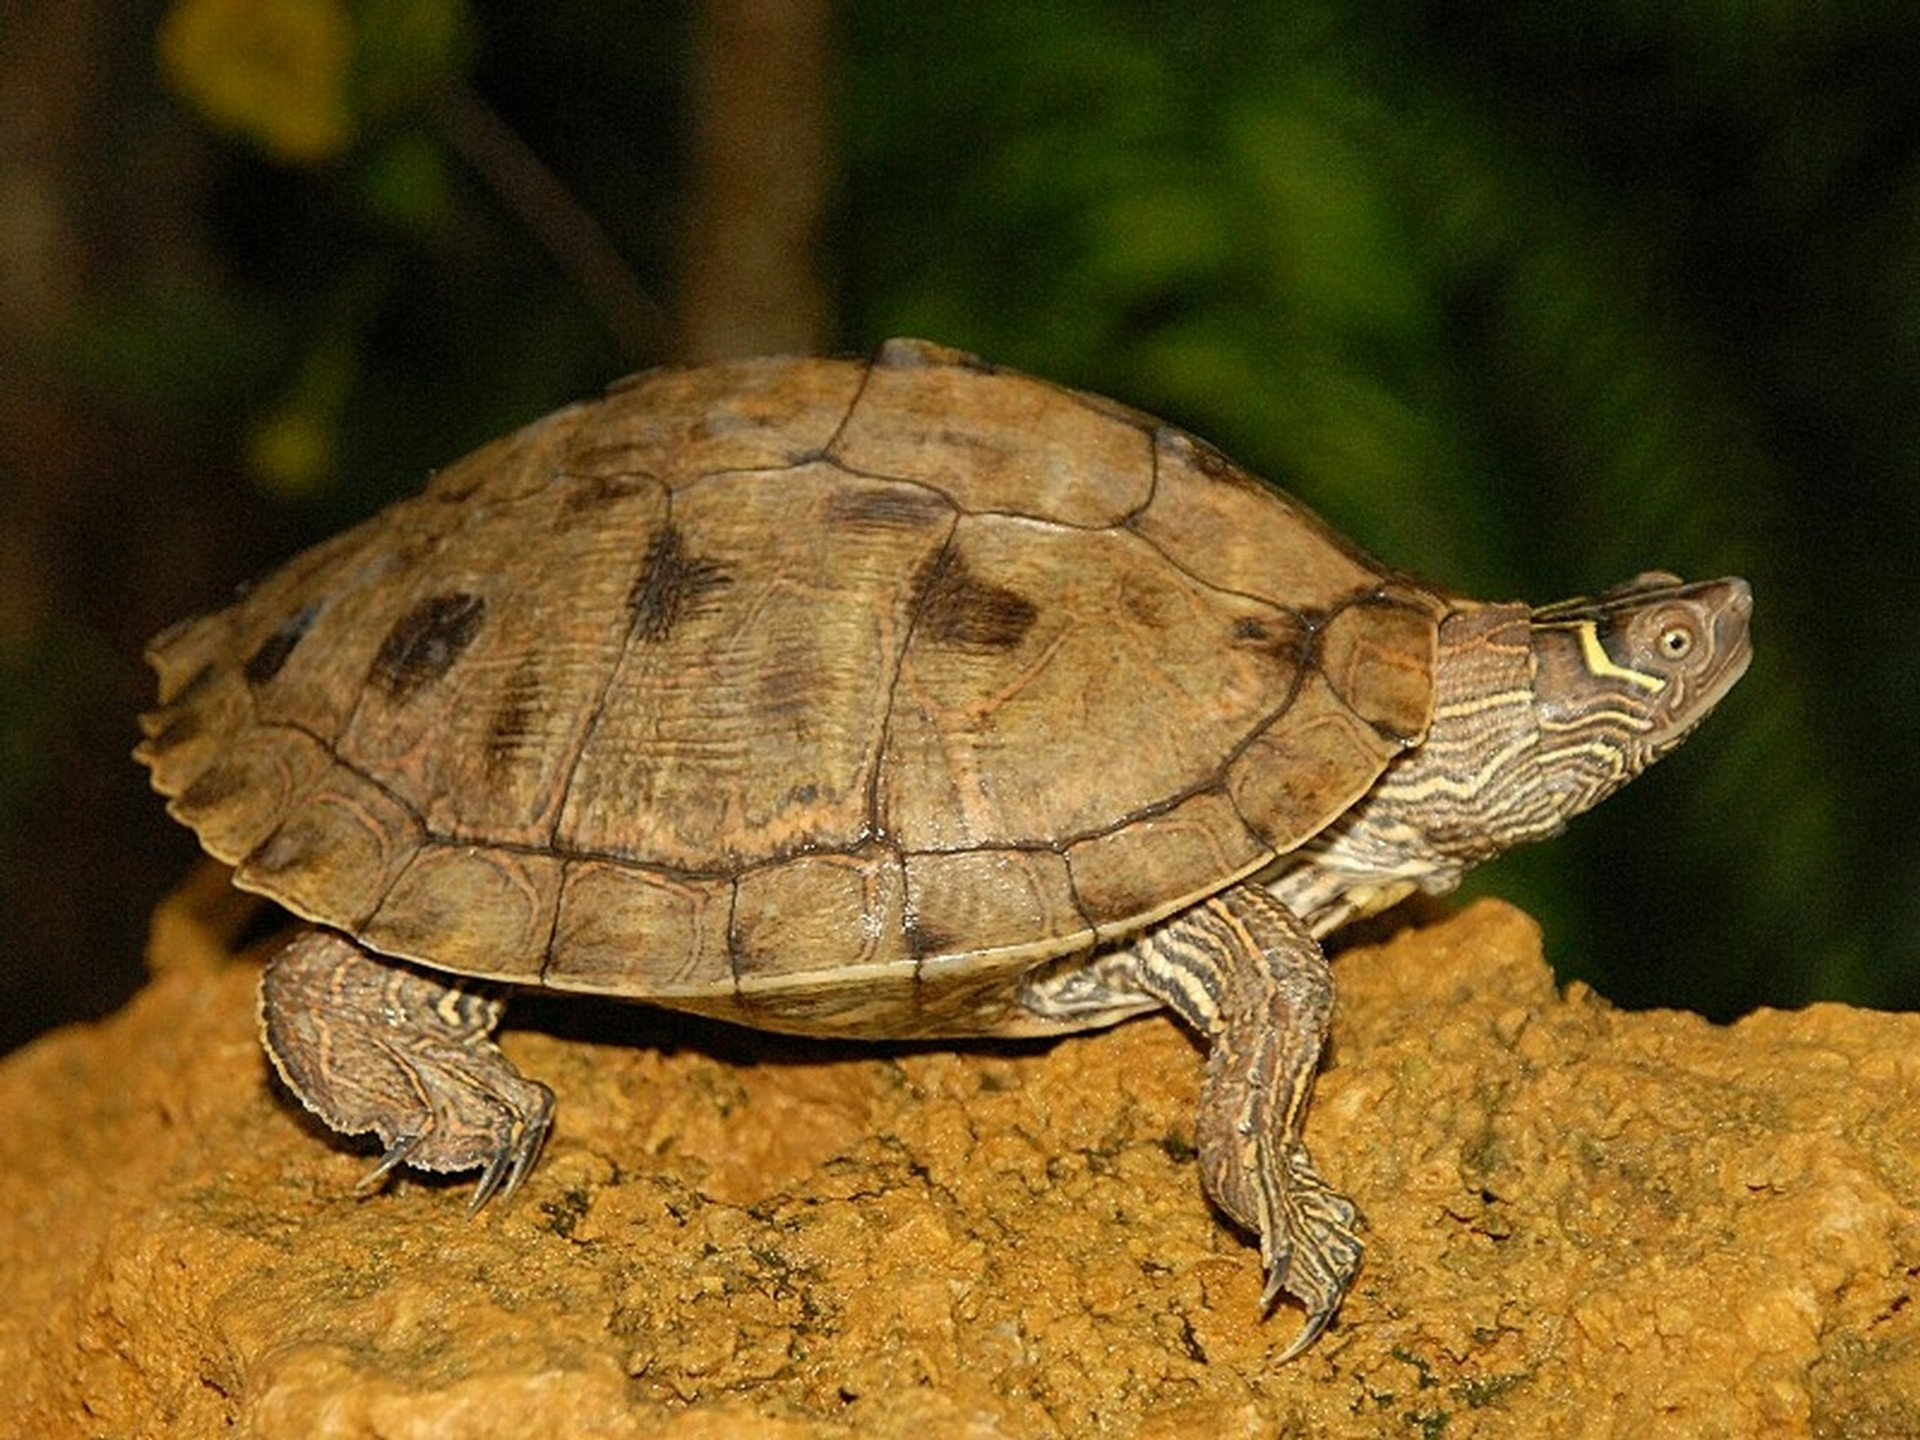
(822, 694)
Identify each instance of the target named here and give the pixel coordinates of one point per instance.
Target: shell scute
(786, 916)
(251, 789)
(485, 665)
(1315, 760)
(751, 728)
(995, 440)
(477, 909)
(1163, 862)
(682, 424)
(990, 901)
(1123, 686)
(611, 912)
(1378, 654)
(515, 465)
(1235, 532)
(337, 850)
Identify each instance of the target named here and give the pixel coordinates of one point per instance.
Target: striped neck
(1538, 715)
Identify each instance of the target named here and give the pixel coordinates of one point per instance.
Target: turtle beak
(1730, 604)
(1725, 608)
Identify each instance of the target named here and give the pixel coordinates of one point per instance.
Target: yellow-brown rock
(1582, 1223)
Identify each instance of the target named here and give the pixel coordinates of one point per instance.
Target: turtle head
(1542, 714)
(1538, 715)
(1621, 678)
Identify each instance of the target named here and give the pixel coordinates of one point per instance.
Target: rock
(1582, 1222)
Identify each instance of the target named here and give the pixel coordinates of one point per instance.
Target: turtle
(900, 698)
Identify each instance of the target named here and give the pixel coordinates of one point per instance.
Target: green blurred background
(1525, 297)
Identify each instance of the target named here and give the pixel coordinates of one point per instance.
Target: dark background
(1527, 302)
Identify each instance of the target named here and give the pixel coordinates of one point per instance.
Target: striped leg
(370, 1044)
(1244, 972)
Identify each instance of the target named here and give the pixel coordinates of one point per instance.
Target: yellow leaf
(275, 71)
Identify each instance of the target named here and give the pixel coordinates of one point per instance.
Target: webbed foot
(369, 1044)
(1309, 1245)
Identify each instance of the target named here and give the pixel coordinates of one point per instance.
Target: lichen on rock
(1581, 1222)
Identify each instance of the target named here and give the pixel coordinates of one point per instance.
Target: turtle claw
(1322, 1298)
(513, 1160)
(1310, 1248)
(505, 1169)
(395, 1156)
(1317, 1322)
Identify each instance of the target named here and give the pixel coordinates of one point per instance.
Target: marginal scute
(189, 735)
(216, 791)
(1378, 655)
(258, 778)
(1161, 863)
(819, 912)
(617, 921)
(978, 902)
(167, 730)
(337, 851)
(471, 908)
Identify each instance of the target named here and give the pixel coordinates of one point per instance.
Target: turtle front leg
(368, 1043)
(1243, 971)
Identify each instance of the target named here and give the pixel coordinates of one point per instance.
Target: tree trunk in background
(46, 96)
(111, 512)
(761, 167)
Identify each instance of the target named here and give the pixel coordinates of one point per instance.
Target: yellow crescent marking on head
(1597, 661)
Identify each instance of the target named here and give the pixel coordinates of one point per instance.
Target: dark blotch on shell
(1285, 638)
(424, 643)
(895, 508)
(514, 729)
(958, 608)
(213, 790)
(925, 940)
(671, 585)
(273, 652)
(178, 728)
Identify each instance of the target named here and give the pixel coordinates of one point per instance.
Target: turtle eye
(1676, 642)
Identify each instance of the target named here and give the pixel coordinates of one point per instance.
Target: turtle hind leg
(369, 1044)
(1242, 970)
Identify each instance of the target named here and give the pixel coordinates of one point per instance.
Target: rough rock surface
(1583, 1223)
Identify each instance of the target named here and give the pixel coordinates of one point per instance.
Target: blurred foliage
(275, 71)
(304, 80)
(1525, 298)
